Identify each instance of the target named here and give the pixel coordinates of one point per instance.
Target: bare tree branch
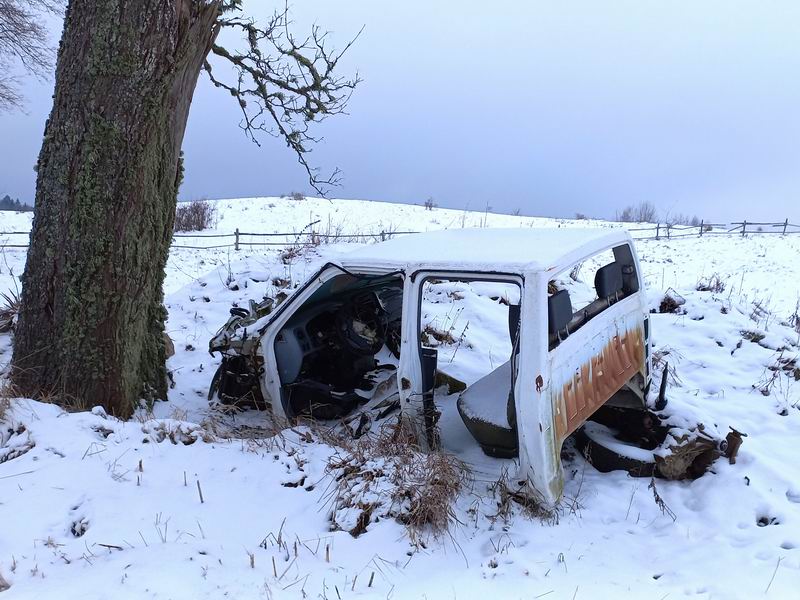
(23, 42)
(283, 85)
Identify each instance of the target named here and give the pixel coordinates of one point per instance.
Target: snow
(492, 250)
(91, 507)
(605, 437)
(487, 398)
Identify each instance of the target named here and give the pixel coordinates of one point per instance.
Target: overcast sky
(548, 107)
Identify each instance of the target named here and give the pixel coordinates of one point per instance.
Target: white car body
(555, 389)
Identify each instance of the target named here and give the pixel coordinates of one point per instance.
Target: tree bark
(90, 330)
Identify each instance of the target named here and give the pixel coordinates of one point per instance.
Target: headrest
(559, 311)
(608, 280)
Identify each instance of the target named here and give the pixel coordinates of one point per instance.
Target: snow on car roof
(497, 250)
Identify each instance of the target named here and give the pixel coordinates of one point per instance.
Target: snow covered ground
(184, 502)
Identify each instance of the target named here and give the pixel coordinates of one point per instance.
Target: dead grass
(14, 442)
(442, 337)
(177, 432)
(794, 319)
(7, 392)
(667, 356)
(755, 337)
(291, 253)
(9, 309)
(312, 236)
(711, 284)
(671, 302)
(510, 494)
(385, 474)
(761, 313)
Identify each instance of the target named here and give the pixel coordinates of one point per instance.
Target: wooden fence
(662, 231)
(240, 239)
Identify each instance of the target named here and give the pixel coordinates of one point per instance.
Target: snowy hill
(188, 502)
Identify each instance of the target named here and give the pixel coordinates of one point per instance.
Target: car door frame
(613, 338)
(410, 379)
(270, 380)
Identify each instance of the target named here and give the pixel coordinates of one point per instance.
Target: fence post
(668, 228)
(658, 229)
(744, 227)
(701, 227)
(383, 236)
(785, 225)
(236, 242)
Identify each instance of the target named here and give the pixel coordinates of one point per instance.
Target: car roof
(497, 250)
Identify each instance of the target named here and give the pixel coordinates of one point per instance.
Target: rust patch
(597, 380)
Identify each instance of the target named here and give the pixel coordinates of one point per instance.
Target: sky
(549, 108)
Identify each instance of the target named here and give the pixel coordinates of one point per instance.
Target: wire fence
(308, 236)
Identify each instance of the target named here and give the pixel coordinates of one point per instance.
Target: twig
(773, 575)
(111, 546)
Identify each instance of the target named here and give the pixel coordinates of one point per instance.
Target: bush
(194, 216)
(644, 212)
(297, 196)
(681, 219)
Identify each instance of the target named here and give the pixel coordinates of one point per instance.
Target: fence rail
(670, 231)
(658, 231)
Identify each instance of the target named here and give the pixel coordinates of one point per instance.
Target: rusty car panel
(597, 379)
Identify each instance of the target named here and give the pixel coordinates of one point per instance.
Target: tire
(606, 459)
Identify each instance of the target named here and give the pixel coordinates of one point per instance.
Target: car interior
(340, 344)
(487, 406)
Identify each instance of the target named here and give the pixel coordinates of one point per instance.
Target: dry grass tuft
(672, 302)
(14, 442)
(667, 356)
(7, 392)
(794, 319)
(291, 253)
(515, 494)
(441, 337)
(5, 405)
(711, 284)
(177, 432)
(9, 309)
(386, 475)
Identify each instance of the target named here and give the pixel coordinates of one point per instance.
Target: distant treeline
(7, 203)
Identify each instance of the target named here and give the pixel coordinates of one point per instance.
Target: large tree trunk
(90, 330)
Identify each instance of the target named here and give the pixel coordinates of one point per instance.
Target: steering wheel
(360, 325)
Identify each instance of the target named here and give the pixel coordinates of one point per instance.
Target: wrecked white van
(355, 342)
